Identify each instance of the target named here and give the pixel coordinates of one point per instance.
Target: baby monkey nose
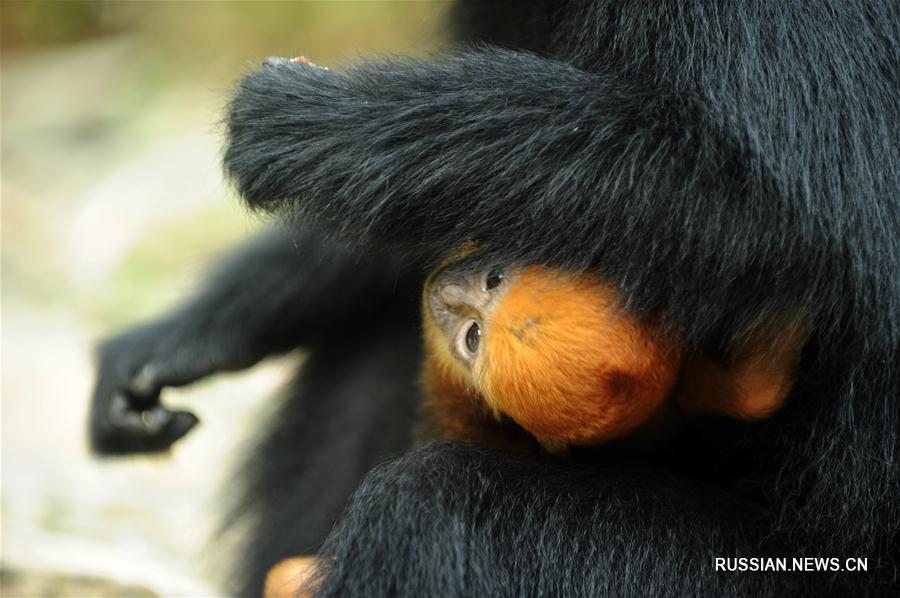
(453, 295)
(466, 297)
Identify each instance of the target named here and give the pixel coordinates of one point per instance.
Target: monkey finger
(130, 427)
(150, 379)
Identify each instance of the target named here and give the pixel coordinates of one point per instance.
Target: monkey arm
(531, 528)
(283, 289)
(538, 162)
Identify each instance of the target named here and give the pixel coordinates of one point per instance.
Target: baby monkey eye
(473, 338)
(494, 277)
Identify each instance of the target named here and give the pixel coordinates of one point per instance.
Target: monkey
(730, 168)
(558, 354)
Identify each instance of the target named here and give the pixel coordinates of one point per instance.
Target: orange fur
(455, 405)
(288, 578)
(755, 381)
(563, 361)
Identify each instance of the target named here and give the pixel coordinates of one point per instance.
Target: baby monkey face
(462, 303)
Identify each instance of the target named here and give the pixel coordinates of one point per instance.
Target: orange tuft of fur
(753, 382)
(563, 361)
(455, 407)
(288, 579)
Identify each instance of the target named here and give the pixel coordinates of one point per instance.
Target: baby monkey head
(551, 350)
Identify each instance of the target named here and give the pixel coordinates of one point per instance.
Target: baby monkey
(555, 353)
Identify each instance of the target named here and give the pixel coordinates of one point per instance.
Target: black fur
(284, 289)
(451, 520)
(349, 409)
(727, 163)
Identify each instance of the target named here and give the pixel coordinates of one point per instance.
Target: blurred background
(113, 204)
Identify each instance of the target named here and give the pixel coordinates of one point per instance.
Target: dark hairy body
(721, 163)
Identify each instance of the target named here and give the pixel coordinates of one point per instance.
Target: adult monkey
(720, 163)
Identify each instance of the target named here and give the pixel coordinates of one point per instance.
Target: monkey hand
(126, 414)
